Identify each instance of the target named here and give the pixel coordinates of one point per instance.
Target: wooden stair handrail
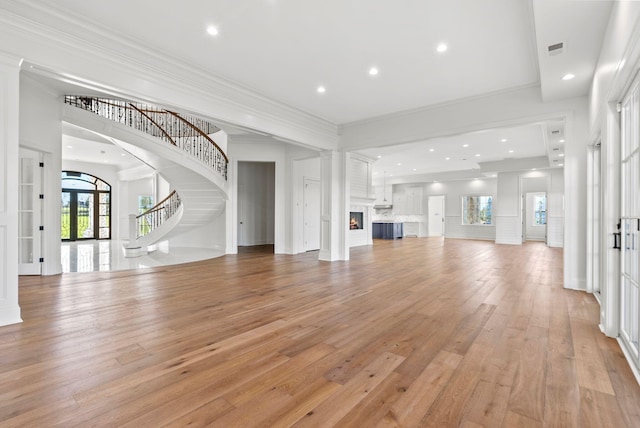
(155, 123)
(199, 131)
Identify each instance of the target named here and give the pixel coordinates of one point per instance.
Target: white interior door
(630, 221)
(311, 214)
(242, 208)
(436, 215)
(29, 213)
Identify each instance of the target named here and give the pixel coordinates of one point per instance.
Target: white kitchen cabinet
(382, 192)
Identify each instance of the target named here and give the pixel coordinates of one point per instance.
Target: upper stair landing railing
(188, 133)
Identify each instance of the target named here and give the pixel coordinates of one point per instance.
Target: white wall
(40, 130)
(454, 191)
(508, 209)
(617, 64)
(555, 209)
(256, 202)
(9, 141)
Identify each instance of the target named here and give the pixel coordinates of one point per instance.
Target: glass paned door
(104, 216)
(65, 216)
(630, 222)
(29, 213)
(80, 215)
(85, 226)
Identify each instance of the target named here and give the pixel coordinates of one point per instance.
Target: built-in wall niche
(356, 220)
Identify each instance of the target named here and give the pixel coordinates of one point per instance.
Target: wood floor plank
(347, 397)
(592, 372)
(528, 390)
(414, 403)
(407, 333)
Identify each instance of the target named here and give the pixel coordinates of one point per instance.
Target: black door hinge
(41, 196)
(41, 259)
(41, 227)
(41, 164)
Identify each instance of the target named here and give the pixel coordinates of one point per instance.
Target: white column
(334, 206)
(610, 257)
(9, 122)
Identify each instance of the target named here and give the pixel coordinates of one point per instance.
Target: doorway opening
(85, 207)
(535, 217)
(256, 204)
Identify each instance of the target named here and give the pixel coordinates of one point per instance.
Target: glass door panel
(65, 216)
(104, 216)
(85, 216)
(29, 213)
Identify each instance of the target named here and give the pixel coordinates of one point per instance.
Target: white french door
(29, 213)
(630, 221)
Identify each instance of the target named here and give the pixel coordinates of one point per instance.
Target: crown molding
(63, 46)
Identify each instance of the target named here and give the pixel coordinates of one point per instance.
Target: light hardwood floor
(409, 333)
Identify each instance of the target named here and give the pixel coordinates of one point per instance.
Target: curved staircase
(179, 148)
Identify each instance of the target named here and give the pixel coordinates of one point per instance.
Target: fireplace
(356, 220)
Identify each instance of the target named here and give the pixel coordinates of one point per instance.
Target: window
(145, 203)
(477, 210)
(540, 210)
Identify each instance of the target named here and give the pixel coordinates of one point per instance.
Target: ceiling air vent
(555, 49)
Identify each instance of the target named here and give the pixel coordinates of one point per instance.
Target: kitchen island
(387, 230)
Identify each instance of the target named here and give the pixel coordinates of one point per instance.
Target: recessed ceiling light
(447, 158)
(562, 141)
(321, 89)
(379, 157)
(390, 175)
(568, 76)
(533, 169)
(212, 31)
(442, 47)
(561, 155)
(399, 164)
(504, 140)
(373, 71)
(414, 169)
(510, 151)
(69, 147)
(465, 145)
(477, 155)
(560, 164)
(432, 150)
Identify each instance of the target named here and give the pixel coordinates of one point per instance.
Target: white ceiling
(285, 49)
(462, 153)
(84, 146)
